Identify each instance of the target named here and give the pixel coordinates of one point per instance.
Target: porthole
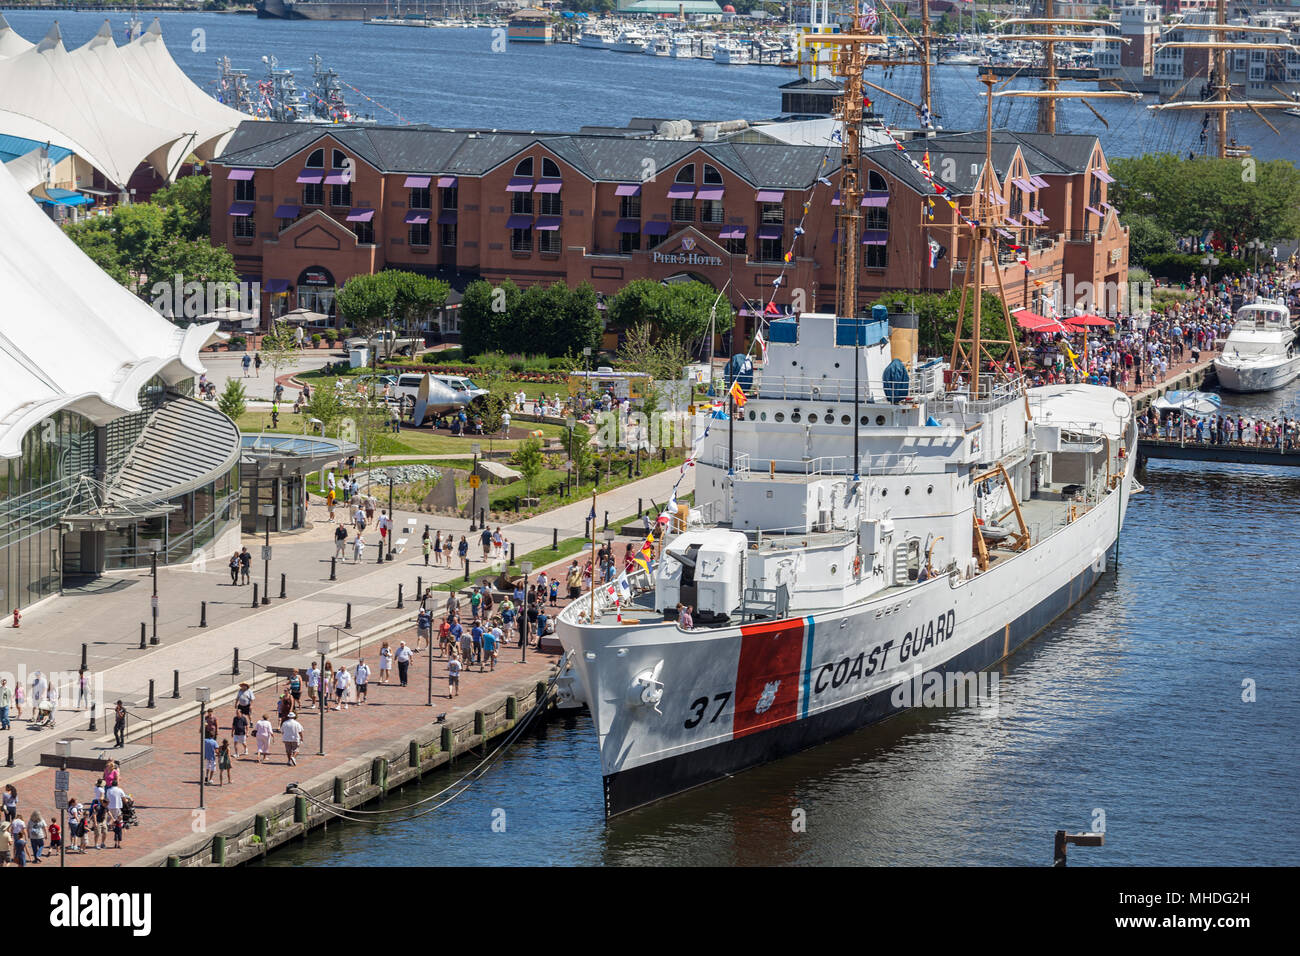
(930, 490)
(837, 364)
(834, 568)
(863, 420)
(795, 362)
(762, 416)
(830, 414)
(845, 420)
(907, 490)
(884, 492)
(780, 416)
(880, 419)
(795, 417)
(752, 415)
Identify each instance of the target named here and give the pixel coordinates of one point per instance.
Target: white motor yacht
(1259, 354)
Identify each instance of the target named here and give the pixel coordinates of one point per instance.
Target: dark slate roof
(413, 149)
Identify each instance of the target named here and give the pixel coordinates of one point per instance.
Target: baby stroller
(45, 714)
(129, 818)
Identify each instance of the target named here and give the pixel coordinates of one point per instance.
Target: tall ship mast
(1218, 43)
(871, 529)
(1043, 30)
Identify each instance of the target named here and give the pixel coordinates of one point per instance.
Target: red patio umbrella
(1089, 319)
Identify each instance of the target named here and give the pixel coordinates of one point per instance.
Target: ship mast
(1219, 48)
(1049, 38)
(970, 349)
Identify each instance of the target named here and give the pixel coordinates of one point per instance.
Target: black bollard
(380, 559)
(400, 605)
(467, 569)
(347, 625)
(176, 685)
(203, 614)
(255, 586)
(333, 568)
(143, 639)
(606, 528)
(295, 636)
(629, 469)
(150, 705)
(234, 667)
(555, 539)
(92, 716)
(419, 588)
(512, 552)
(640, 509)
(10, 761)
(586, 528)
(663, 456)
(282, 591)
(83, 657)
(480, 517)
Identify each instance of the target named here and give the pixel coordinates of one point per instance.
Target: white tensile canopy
(115, 107)
(73, 337)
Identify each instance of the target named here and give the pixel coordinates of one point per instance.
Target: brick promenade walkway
(166, 790)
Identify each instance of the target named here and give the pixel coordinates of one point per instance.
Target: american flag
(870, 16)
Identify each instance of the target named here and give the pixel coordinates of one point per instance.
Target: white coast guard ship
(970, 519)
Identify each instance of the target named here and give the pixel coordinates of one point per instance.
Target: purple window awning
(1096, 212)
(1038, 181)
(876, 200)
(681, 191)
(287, 212)
(656, 229)
(311, 176)
(240, 175)
(447, 182)
(417, 217)
(275, 286)
(447, 217)
(519, 222)
(1104, 176)
(1035, 217)
(875, 237)
(548, 223)
(1013, 222)
(338, 177)
(628, 189)
(769, 232)
(519, 185)
(241, 208)
(996, 199)
(1024, 185)
(710, 193)
(549, 186)
(361, 215)
(627, 225)
(735, 232)
(771, 195)
(417, 182)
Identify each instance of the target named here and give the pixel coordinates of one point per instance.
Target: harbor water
(1162, 711)
(453, 78)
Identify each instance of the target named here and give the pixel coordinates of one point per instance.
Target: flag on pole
(937, 252)
(762, 344)
(737, 394)
(870, 16)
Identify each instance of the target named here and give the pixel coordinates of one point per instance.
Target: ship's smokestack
(903, 328)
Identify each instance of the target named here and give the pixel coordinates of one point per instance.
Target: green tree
(326, 405)
(96, 240)
(1146, 237)
(279, 349)
(528, 459)
(415, 297)
(367, 301)
(232, 401)
(682, 309)
(189, 200)
(194, 260)
(663, 357)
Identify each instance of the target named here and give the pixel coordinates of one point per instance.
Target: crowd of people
(1277, 432)
(28, 841)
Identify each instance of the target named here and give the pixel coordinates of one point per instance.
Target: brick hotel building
(303, 207)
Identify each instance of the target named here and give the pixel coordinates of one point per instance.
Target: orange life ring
(857, 565)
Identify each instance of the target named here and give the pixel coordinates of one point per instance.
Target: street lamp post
(267, 511)
(525, 566)
(155, 545)
(1210, 261)
(392, 520)
(202, 695)
(473, 507)
(1257, 245)
(569, 423)
(323, 648)
(64, 749)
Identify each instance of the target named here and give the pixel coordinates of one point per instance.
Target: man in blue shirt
(424, 629)
(209, 758)
(476, 636)
(542, 621)
(490, 646)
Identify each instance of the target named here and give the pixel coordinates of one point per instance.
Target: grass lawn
(413, 442)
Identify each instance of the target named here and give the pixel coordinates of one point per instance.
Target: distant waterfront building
(610, 207)
(530, 25)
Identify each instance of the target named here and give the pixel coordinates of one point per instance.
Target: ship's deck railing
(825, 389)
(997, 393)
(579, 609)
(745, 465)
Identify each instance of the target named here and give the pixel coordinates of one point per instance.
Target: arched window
(316, 160)
(338, 160)
(876, 182)
(711, 176)
(524, 167)
(686, 174)
(550, 168)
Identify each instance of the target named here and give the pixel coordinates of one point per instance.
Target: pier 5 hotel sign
(685, 256)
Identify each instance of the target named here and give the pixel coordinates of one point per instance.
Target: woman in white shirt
(342, 684)
(263, 731)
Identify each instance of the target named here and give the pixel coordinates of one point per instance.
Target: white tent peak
(53, 40)
(155, 29)
(105, 32)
